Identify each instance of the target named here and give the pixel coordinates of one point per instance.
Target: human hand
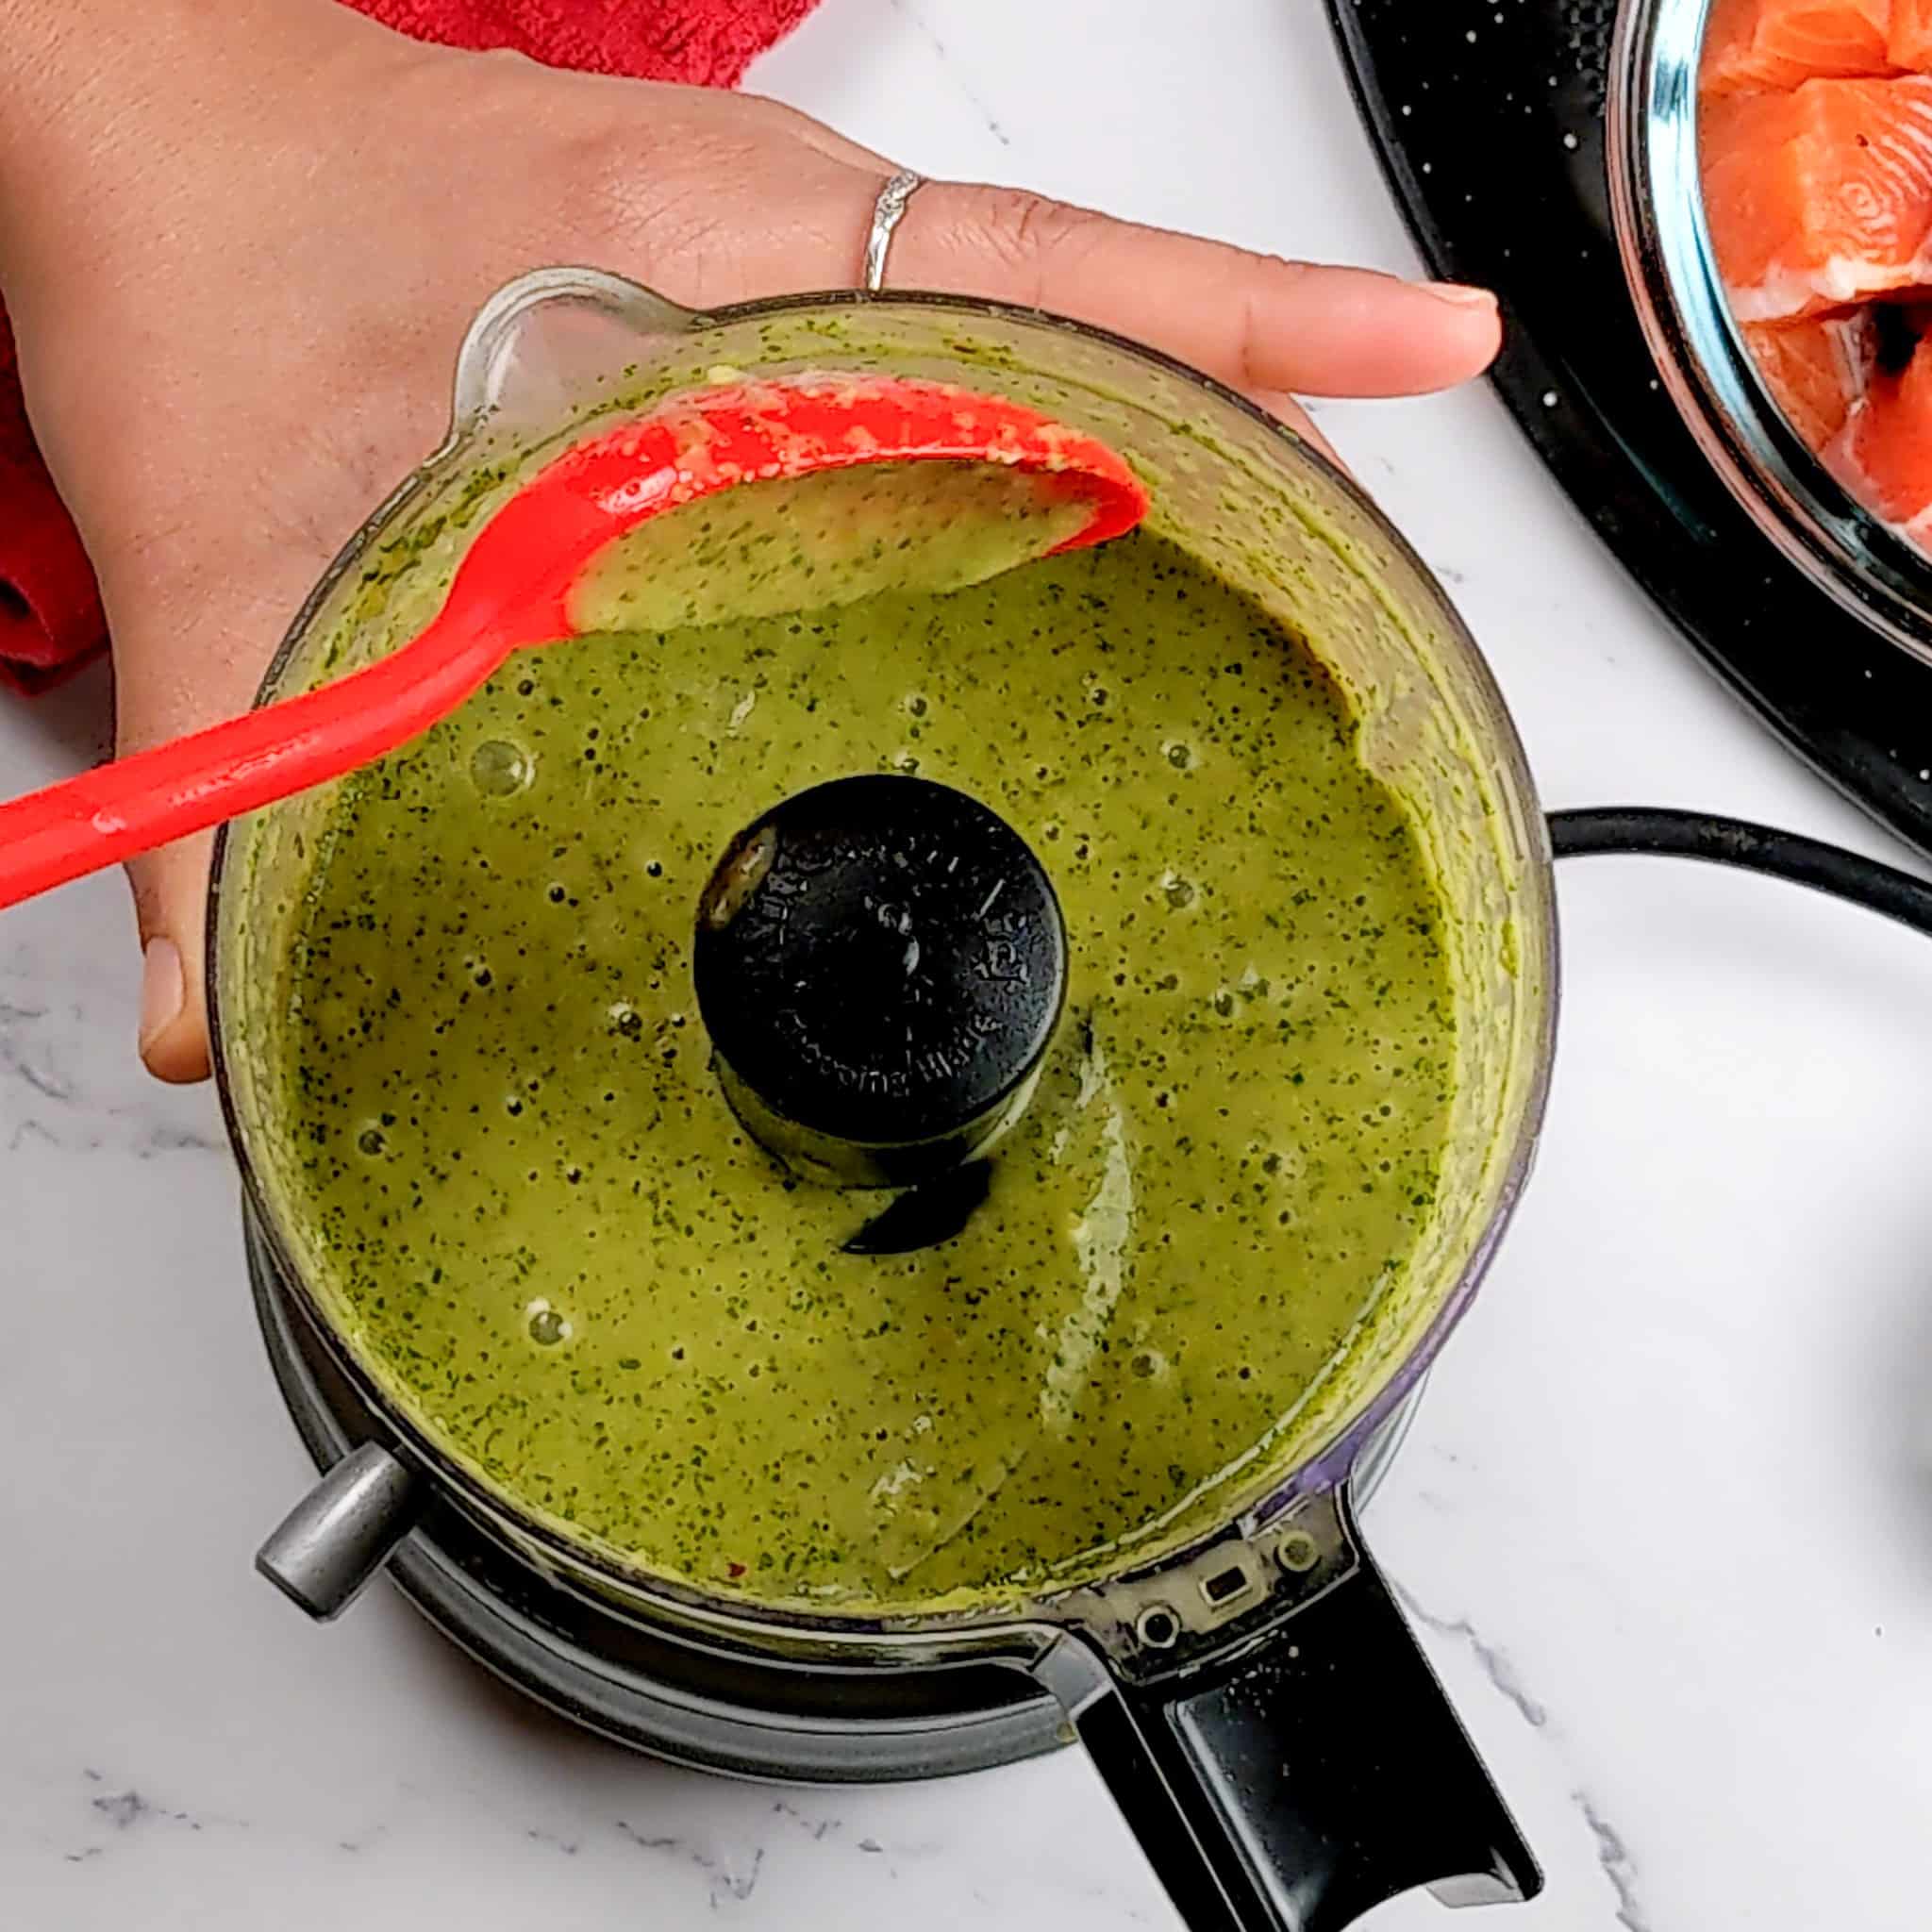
(240, 254)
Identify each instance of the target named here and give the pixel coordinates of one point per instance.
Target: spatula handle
(136, 804)
(514, 584)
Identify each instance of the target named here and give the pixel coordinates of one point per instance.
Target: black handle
(1294, 1786)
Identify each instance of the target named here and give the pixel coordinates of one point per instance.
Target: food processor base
(687, 1702)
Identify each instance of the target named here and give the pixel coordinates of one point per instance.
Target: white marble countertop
(1666, 1515)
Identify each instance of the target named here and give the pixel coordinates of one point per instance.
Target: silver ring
(886, 213)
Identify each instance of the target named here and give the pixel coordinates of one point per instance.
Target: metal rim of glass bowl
(1656, 200)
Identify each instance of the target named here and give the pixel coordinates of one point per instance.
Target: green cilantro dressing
(539, 1219)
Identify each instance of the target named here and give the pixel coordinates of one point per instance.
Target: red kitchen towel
(50, 610)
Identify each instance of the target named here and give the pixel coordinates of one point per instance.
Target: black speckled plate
(1490, 123)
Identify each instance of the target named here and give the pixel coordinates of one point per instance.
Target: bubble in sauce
(499, 769)
(1181, 757)
(1178, 893)
(547, 1327)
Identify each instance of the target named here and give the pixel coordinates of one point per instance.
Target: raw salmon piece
(1752, 45)
(1822, 196)
(1816, 370)
(1886, 452)
(1911, 41)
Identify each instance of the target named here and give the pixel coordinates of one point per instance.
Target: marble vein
(132, 1811)
(919, 22)
(1613, 1856)
(66, 1078)
(727, 1878)
(1494, 1663)
(35, 1070)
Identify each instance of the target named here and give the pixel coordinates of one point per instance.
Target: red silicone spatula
(515, 587)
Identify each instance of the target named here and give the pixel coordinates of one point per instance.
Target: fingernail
(161, 989)
(1461, 296)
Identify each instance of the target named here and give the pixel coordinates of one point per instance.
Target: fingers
(170, 897)
(1256, 321)
(185, 653)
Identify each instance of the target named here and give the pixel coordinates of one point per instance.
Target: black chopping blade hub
(880, 962)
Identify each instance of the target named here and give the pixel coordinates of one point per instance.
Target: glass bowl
(1656, 198)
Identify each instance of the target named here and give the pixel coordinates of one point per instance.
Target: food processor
(1247, 1687)
(1251, 1694)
